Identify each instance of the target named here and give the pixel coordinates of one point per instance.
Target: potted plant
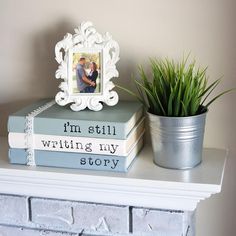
(176, 98)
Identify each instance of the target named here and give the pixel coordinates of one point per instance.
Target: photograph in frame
(86, 73)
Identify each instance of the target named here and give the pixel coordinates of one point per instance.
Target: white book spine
(114, 147)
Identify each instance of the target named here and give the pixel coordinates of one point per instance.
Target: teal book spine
(111, 122)
(72, 160)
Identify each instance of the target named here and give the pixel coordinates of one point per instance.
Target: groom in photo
(82, 79)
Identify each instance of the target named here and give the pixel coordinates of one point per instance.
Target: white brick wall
(159, 222)
(13, 210)
(29, 216)
(79, 217)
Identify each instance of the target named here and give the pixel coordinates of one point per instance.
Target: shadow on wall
(41, 82)
(44, 64)
(126, 68)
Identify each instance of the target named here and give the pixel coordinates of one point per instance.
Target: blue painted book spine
(112, 122)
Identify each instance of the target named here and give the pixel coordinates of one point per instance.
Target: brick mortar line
(39, 229)
(130, 219)
(28, 209)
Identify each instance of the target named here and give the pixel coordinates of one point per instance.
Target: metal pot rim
(178, 117)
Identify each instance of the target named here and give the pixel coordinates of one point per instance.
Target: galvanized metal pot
(177, 142)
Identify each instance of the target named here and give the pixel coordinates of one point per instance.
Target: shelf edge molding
(139, 193)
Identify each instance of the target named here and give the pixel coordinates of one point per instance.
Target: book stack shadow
(108, 140)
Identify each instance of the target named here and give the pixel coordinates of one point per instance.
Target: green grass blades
(175, 88)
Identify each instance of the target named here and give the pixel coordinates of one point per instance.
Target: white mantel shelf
(145, 185)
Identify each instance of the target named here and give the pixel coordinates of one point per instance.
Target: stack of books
(46, 134)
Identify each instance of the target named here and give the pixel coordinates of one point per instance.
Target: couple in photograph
(86, 82)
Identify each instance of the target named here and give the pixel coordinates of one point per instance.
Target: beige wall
(144, 28)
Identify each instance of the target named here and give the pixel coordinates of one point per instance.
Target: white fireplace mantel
(145, 185)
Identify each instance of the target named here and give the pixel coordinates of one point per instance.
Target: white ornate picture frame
(86, 41)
